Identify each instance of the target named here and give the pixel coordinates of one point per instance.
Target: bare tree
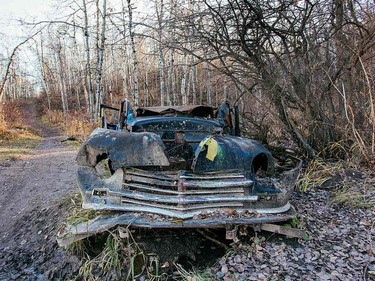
(99, 67)
(133, 56)
(88, 61)
(159, 7)
(10, 61)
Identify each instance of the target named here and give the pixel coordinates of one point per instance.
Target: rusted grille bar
(134, 186)
(155, 175)
(214, 184)
(184, 191)
(185, 200)
(183, 208)
(157, 182)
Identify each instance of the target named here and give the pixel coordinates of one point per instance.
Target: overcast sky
(12, 32)
(13, 10)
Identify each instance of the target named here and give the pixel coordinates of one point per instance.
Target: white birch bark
(88, 63)
(171, 91)
(60, 78)
(133, 57)
(125, 61)
(171, 74)
(99, 69)
(159, 13)
(43, 72)
(183, 82)
(193, 78)
(208, 84)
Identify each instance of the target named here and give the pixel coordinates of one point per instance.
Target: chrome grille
(185, 191)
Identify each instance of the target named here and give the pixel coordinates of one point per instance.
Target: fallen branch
(221, 244)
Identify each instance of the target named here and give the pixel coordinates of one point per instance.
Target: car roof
(185, 110)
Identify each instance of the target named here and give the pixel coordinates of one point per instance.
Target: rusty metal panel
(152, 189)
(100, 224)
(232, 153)
(124, 149)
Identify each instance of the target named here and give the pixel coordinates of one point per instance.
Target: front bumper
(73, 233)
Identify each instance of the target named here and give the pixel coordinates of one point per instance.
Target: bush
(74, 124)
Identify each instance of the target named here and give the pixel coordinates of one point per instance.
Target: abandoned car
(180, 166)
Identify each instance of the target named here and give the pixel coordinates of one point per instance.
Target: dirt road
(31, 190)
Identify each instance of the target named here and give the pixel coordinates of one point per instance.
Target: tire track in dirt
(32, 189)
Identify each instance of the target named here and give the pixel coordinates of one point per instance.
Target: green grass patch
(76, 214)
(19, 145)
(73, 143)
(355, 197)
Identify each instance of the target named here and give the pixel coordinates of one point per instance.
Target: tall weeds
(11, 120)
(75, 124)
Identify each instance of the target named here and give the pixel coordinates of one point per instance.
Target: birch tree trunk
(183, 82)
(85, 91)
(159, 14)
(88, 62)
(43, 72)
(125, 61)
(171, 80)
(208, 84)
(133, 56)
(193, 78)
(146, 89)
(59, 67)
(82, 72)
(99, 69)
(171, 87)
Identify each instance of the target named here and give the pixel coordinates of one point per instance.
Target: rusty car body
(181, 166)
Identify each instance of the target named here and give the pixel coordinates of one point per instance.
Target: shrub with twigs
(74, 124)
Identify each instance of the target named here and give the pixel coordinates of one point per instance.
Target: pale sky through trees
(12, 11)
(13, 31)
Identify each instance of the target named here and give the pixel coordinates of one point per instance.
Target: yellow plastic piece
(212, 148)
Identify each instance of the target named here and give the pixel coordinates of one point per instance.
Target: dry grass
(356, 191)
(11, 118)
(16, 139)
(20, 145)
(350, 181)
(317, 173)
(75, 124)
(76, 214)
(193, 275)
(79, 128)
(54, 117)
(356, 197)
(321, 169)
(120, 259)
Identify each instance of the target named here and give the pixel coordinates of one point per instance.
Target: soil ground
(33, 189)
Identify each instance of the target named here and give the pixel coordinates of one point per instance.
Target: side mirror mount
(224, 114)
(237, 130)
(123, 113)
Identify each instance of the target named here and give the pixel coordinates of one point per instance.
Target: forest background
(301, 71)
